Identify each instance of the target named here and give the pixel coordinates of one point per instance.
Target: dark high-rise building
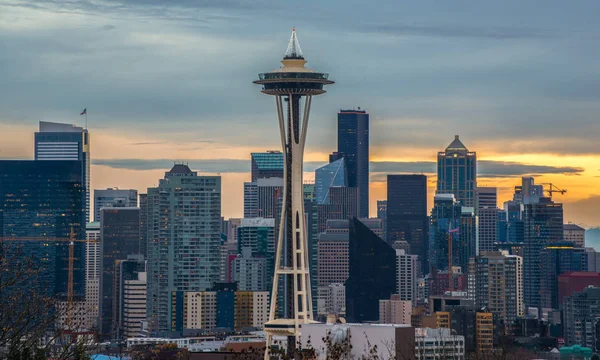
(543, 223)
(144, 225)
(457, 172)
(125, 270)
(45, 199)
(267, 165)
(119, 237)
(372, 273)
(57, 142)
(406, 218)
(113, 196)
(353, 144)
(557, 259)
(510, 224)
(382, 215)
(580, 315)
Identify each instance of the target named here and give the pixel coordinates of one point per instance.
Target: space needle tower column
(291, 84)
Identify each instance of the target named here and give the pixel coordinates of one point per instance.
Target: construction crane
(71, 240)
(551, 188)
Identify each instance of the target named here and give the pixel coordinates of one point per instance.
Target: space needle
(294, 85)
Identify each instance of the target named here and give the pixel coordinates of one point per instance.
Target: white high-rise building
(406, 276)
(575, 234)
(108, 197)
(92, 274)
(487, 212)
(261, 197)
(134, 305)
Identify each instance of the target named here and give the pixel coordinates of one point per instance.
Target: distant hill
(592, 238)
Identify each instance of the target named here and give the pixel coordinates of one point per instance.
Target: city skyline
(508, 92)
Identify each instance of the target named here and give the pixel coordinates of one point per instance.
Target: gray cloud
(488, 32)
(485, 168)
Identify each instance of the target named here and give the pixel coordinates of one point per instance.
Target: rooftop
(456, 145)
(572, 227)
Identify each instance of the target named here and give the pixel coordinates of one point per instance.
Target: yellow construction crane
(551, 188)
(71, 240)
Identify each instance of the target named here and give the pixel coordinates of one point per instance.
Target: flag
(84, 112)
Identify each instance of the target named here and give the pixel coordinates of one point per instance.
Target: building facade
(406, 214)
(557, 259)
(57, 142)
(134, 306)
(487, 213)
(580, 315)
(184, 238)
(262, 197)
(395, 311)
(353, 144)
(327, 176)
(267, 164)
(119, 237)
(372, 273)
(92, 274)
(107, 198)
(575, 234)
(457, 172)
(406, 276)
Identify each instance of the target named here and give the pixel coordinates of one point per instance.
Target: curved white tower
(290, 84)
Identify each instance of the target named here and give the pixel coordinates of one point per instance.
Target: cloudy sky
(172, 81)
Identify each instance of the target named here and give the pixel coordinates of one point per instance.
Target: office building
(395, 311)
(92, 274)
(457, 172)
(487, 212)
(510, 226)
(543, 224)
(111, 196)
(261, 198)
(406, 217)
(331, 300)
(258, 235)
(575, 234)
(251, 273)
(498, 284)
(372, 273)
(327, 176)
(45, 199)
(406, 276)
(353, 144)
(134, 306)
(119, 237)
(266, 165)
(438, 344)
(231, 230)
(57, 142)
(556, 259)
(580, 316)
(184, 239)
(220, 307)
(342, 204)
(143, 202)
(126, 270)
(452, 232)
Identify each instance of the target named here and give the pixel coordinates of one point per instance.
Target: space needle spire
(293, 86)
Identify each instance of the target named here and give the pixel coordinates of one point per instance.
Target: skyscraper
(107, 197)
(498, 284)
(406, 218)
(543, 222)
(144, 225)
(382, 215)
(341, 204)
(406, 276)
(457, 172)
(330, 175)
(184, 238)
(487, 213)
(292, 82)
(353, 144)
(57, 141)
(267, 164)
(119, 237)
(261, 197)
(557, 259)
(372, 273)
(45, 199)
(92, 273)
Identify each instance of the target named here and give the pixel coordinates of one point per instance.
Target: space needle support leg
(305, 258)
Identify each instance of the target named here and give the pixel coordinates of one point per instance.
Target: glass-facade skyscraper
(371, 273)
(543, 223)
(46, 200)
(184, 239)
(406, 218)
(457, 172)
(57, 141)
(333, 174)
(266, 165)
(353, 145)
